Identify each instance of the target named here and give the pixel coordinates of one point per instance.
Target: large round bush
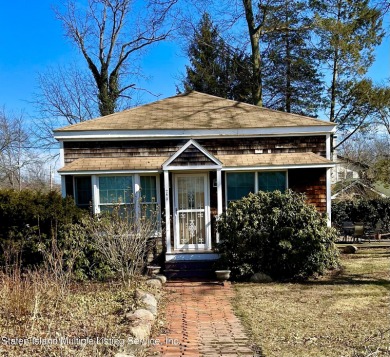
(277, 234)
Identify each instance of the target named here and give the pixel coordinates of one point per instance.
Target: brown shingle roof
(248, 160)
(155, 163)
(195, 110)
(115, 164)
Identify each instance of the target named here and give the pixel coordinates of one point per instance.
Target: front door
(192, 212)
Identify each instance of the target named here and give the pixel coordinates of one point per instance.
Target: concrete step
(189, 269)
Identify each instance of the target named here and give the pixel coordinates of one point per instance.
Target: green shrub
(371, 212)
(277, 234)
(31, 218)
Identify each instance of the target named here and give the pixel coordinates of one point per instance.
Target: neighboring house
(357, 188)
(349, 181)
(191, 155)
(347, 169)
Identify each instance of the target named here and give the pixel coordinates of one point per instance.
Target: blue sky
(32, 39)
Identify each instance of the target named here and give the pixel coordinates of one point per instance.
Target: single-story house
(191, 155)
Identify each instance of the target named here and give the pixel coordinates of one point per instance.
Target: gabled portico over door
(192, 212)
(187, 200)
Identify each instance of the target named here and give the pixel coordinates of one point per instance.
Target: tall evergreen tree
(291, 78)
(347, 33)
(216, 68)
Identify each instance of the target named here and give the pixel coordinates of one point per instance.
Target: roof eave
(192, 133)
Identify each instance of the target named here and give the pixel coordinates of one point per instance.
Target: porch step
(179, 269)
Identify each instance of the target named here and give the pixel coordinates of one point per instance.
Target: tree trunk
(335, 67)
(254, 34)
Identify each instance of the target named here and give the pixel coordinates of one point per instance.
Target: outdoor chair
(348, 230)
(358, 231)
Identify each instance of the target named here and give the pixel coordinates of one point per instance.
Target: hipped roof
(195, 110)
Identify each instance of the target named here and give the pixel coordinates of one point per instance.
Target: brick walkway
(201, 322)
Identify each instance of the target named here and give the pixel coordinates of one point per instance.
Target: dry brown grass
(35, 306)
(344, 314)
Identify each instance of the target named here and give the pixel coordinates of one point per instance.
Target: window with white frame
(140, 192)
(240, 184)
(115, 190)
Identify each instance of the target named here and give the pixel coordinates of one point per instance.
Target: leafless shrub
(123, 237)
(58, 264)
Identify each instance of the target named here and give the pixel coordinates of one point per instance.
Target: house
(350, 180)
(347, 169)
(191, 155)
(358, 188)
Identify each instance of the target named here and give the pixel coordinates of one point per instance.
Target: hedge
(373, 213)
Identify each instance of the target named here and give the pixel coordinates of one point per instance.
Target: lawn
(346, 313)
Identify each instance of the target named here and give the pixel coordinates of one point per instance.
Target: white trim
(62, 154)
(207, 218)
(328, 197)
(191, 256)
(193, 133)
(95, 194)
(167, 213)
(63, 187)
(219, 198)
(328, 142)
(192, 168)
(108, 173)
(277, 167)
(185, 147)
(137, 191)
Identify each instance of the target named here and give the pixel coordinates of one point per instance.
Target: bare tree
(66, 95)
(13, 139)
(18, 158)
(110, 34)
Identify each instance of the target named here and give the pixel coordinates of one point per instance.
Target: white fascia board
(116, 172)
(276, 167)
(187, 168)
(184, 148)
(192, 133)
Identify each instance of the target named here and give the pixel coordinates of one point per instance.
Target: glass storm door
(191, 212)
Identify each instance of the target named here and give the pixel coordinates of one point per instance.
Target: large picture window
(240, 184)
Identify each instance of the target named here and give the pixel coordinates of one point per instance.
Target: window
(271, 181)
(83, 191)
(239, 184)
(114, 190)
(148, 195)
(341, 175)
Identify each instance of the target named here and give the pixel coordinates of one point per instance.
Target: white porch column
(137, 195)
(95, 194)
(328, 196)
(167, 212)
(63, 187)
(219, 196)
